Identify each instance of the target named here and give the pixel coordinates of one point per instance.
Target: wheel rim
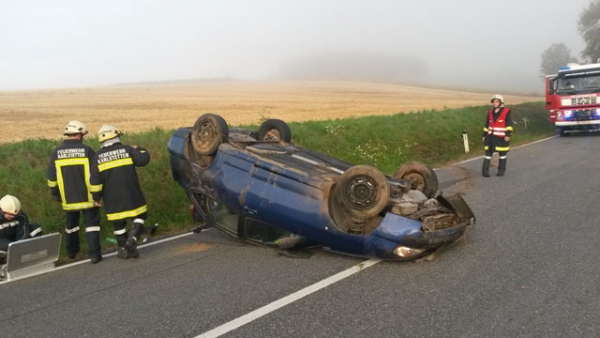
(362, 191)
(418, 181)
(207, 135)
(272, 134)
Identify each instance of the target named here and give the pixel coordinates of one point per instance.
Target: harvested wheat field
(133, 108)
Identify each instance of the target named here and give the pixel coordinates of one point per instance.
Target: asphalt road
(529, 268)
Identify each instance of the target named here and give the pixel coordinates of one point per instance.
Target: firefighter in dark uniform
(496, 135)
(114, 179)
(14, 224)
(68, 178)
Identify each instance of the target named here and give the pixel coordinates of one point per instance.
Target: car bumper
(408, 232)
(577, 123)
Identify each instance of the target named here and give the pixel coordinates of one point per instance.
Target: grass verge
(433, 137)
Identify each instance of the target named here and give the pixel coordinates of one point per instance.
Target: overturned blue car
(261, 188)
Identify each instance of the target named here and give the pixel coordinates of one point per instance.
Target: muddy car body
(260, 187)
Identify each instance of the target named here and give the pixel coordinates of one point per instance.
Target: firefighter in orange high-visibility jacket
(496, 135)
(115, 180)
(69, 181)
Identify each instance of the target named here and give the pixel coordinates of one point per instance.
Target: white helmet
(9, 204)
(107, 132)
(75, 127)
(497, 97)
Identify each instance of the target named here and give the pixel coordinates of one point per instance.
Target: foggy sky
(467, 43)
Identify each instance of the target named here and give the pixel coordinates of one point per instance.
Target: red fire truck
(573, 98)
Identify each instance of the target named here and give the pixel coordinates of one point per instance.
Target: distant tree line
(558, 54)
(554, 57)
(355, 67)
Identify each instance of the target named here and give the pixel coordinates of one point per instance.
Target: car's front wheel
(363, 190)
(421, 176)
(209, 132)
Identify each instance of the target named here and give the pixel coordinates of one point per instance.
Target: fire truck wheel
(562, 132)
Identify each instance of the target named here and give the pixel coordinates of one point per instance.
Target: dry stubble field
(133, 108)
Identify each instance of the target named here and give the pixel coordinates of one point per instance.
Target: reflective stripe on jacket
(114, 179)
(68, 175)
(15, 229)
(498, 127)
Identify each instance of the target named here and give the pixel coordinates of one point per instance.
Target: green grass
(433, 137)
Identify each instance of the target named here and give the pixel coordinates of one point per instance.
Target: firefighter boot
(501, 167)
(485, 169)
(131, 244)
(121, 240)
(94, 251)
(72, 242)
(72, 234)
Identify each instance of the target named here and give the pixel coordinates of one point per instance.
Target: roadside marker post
(465, 138)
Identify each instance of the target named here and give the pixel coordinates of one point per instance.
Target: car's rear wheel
(209, 132)
(363, 190)
(421, 176)
(274, 130)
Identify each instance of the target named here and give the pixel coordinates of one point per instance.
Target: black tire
(209, 132)
(422, 177)
(363, 190)
(274, 130)
(562, 132)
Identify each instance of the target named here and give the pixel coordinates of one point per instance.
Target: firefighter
(68, 178)
(114, 179)
(496, 135)
(14, 224)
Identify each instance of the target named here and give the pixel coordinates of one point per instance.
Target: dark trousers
(91, 221)
(488, 154)
(491, 143)
(501, 163)
(120, 229)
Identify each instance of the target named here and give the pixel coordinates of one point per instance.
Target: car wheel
(209, 132)
(422, 177)
(274, 129)
(201, 160)
(363, 190)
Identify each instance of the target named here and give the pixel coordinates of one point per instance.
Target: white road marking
(517, 147)
(249, 317)
(83, 261)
